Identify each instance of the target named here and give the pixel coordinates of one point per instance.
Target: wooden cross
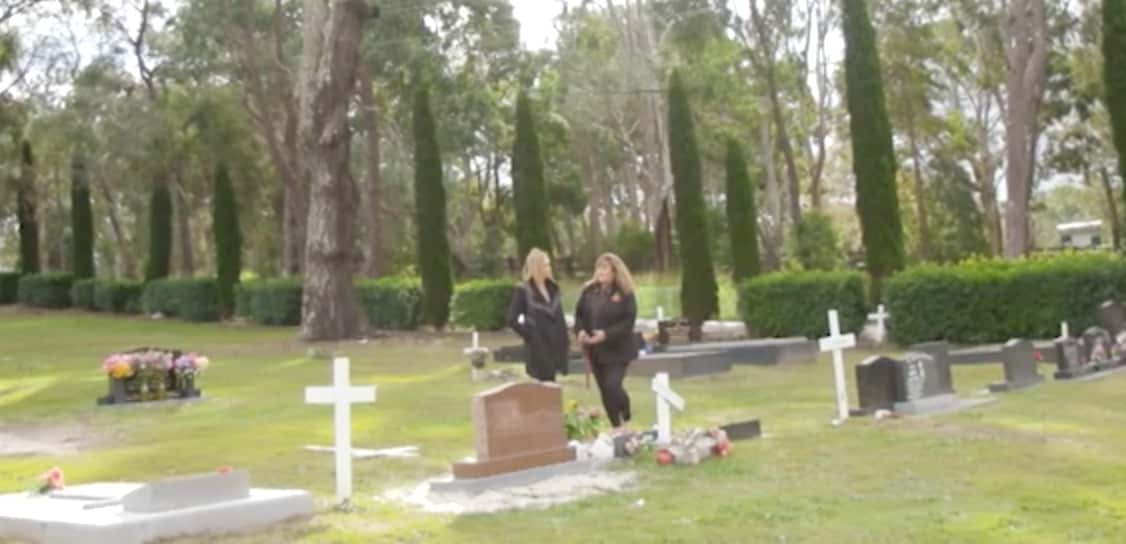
(837, 343)
(341, 395)
(880, 317)
(665, 397)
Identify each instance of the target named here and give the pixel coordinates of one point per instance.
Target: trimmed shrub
(9, 287)
(190, 299)
(119, 297)
(270, 302)
(51, 290)
(392, 303)
(482, 304)
(82, 294)
(430, 213)
(988, 300)
(795, 303)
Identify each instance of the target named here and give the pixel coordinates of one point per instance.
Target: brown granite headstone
(518, 426)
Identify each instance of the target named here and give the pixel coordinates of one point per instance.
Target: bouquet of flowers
(582, 423)
(52, 480)
(118, 367)
(190, 364)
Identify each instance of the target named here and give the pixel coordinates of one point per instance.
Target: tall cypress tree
(160, 233)
(1114, 75)
(228, 238)
(742, 215)
(528, 191)
(28, 217)
(873, 157)
(699, 297)
(430, 211)
(81, 218)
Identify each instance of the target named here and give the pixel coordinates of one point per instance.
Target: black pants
(614, 397)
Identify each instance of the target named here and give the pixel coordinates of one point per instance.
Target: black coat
(544, 329)
(613, 312)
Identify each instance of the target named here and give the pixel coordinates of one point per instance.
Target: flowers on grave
(695, 445)
(582, 423)
(118, 367)
(190, 364)
(52, 480)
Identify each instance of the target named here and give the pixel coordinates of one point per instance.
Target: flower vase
(145, 390)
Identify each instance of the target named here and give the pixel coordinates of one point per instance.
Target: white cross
(660, 314)
(1064, 333)
(880, 316)
(665, 397)
(837, 343)
(341, 395)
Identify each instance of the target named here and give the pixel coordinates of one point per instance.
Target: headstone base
(1092, 376)
(47, 520)
(939, 404)
(1002, 387)
(743, 430)
(493, 467)
(518, 478)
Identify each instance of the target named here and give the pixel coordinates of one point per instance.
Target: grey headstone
(921, 386)
(1112, 317)
(1020, 366)
(875, 384)
(188, 491)
(1097, 346)
(940, 352)
(1070, 359)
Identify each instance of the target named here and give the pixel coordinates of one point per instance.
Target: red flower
(223, 469)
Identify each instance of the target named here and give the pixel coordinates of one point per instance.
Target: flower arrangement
(582, 423)
(190, 364)
(52, 480)
(149, 373)
(118, 367)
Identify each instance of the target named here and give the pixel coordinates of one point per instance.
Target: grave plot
(917, 385)
(152, 375)
(130, 513)
(1020, 367)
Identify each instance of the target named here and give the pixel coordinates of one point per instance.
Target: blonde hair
(622, 278)
(536, 266)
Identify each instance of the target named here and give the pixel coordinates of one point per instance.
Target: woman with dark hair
(604, 320)
(536, 314)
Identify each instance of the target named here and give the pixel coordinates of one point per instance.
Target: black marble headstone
(875, 384)
(919, 376)
(1019, 359)
(1071, 360)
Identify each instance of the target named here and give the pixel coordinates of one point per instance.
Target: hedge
(393, 303)
(51, 290)
(190, 299)
(82, 294)
(796, 303)
(482, 304)
(982, 301)
(270, 302)
(9, 287)
(119, 297)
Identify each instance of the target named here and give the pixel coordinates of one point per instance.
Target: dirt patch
(55, 440)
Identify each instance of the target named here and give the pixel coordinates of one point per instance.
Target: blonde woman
(536, 314)
(604, 320)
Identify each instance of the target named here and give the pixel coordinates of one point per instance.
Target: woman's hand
(582, 337)
(597, 338)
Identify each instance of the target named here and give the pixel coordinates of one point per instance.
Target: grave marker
(341, 395)
(880, 317)
(919, 384)
(1020, 366)
(665, 398)
(875, 384)
(837, 343)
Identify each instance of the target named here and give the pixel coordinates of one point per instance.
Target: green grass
(1040, 466)
(656, 290)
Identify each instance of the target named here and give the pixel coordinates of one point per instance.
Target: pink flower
(54, 478)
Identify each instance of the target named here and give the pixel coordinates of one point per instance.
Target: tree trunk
(1112, 209)
(184, 232)
(1027, 51)
(920, 193)
(664, 237)
(125, 263)
(332, 32)
(374, 258)
(771, 233)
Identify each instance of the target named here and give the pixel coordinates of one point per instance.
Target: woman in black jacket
(536, 314)
(604, 319)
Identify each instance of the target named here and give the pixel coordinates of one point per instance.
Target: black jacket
(544, 329)
(613, 312)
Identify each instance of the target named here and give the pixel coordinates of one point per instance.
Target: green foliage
(873, 156)
(391, 303)
(698, 289)
(796, 303)
(956, 221)
(82, 220)
(9, 287)
(190, 299)
(160, 233)
(228, 239)
(986, 300)
(482, 304)
(27, 214)
(119, 297)
(50, 290)
(528, 190)
(82, 293)
(815, 242)
(430, 210)
(1114, 75)
(742, 215)
(270, 302)
(636, 246)
(582, 423)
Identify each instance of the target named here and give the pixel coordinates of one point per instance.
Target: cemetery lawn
(1040, 466)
